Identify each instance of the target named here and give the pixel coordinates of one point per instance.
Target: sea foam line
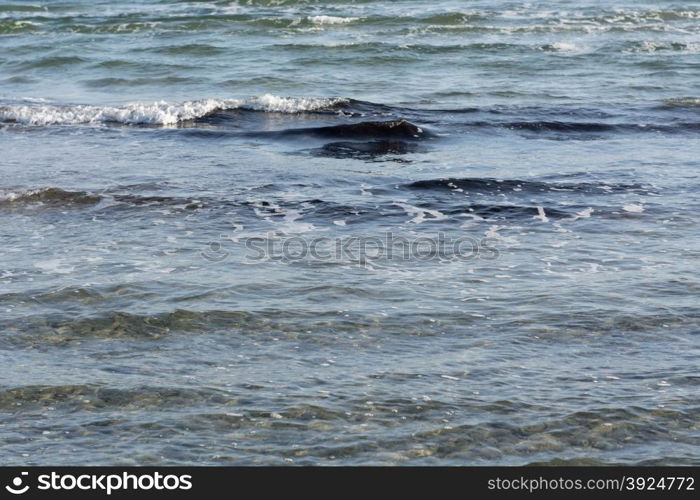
(155, 113)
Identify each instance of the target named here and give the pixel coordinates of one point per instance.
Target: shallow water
(501, 199)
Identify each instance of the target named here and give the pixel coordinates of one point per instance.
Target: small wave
(159, 113)
(393, 129)
(418, 211)
(8, 27)
(550, 126)
(52, 62)
(51, 195)
(271, 103)
(57, 197)
(61, 329)
(514, 185)
(364, 150)
(616, 16)
(585, 128)
(192, 49)
(648, 47)
(114, 26)
(562, 47)
(331, 19)
(135, 82)
(156, 113)
(493, 212)
(452, 18)
(91, 397)
(171, 201)
(23, 8)
(683, 102)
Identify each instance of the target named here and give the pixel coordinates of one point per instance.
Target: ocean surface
(349, 232)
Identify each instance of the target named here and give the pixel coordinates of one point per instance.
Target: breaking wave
(156, 113)
(50, 195)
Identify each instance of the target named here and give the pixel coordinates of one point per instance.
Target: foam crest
(331, 19)
(50, 195)
(276, 104)
(156, 113)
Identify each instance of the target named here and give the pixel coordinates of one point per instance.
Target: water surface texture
(166, 168)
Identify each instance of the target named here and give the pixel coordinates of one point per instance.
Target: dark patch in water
(364, 150)
(393, 129)
(514, 185)
(203, 133)
(366, 108)
(90, 397)
(559, 126)
(566, 127)
(324, 211)
(187, 203)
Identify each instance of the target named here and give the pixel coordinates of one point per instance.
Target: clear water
(145, 143)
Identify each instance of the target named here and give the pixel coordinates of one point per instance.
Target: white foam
(331, 19)
(55, 266)
(159, 113)
(473, 217)
(291, 225)
(271, 103)
(652, 47)
(634, 208)
(493, 232)
(9, 196)
(23, 23)
(155, 113)
(420, 213)
(541, 215)
(684, 101)
(564, 47)
(583, 214)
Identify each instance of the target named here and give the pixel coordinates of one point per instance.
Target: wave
(156, 113)
(52, 62)
(556, 126)
(331, 19)
(323, 212)
(682, 102)
(50, 195)
(572, 127)
(213, 118)
(316, 211)
(392, 129)
(22, 8)
(673, 48)
(311, 325)
(9, 27)
(56, 197)
(93, 397)
(195, 49)
(365, 150)
(513, 185)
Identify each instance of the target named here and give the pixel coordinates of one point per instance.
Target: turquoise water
(357, 233)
